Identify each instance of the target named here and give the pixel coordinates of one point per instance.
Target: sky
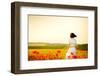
(57, 29)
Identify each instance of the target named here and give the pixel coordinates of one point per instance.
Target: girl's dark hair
(72, 35)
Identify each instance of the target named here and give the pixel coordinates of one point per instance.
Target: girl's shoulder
(72, 40)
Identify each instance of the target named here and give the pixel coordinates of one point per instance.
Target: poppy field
(53, 52)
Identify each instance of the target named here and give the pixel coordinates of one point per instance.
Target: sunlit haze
(57, 29)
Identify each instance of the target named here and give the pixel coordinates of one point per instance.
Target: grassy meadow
(51, 51)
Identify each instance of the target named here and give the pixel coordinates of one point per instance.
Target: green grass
(40, 45)
(82, 46)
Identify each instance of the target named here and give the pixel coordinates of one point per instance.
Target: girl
(71, 53)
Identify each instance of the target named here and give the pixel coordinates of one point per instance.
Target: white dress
(72, 49)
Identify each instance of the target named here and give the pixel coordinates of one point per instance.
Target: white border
(25, 64)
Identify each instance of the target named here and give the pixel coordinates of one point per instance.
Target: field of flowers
(52, 54)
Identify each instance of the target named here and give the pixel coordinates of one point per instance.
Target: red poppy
(34, 51)
(57, 55)
(74, 57)
(37, 52)
(58, 51)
